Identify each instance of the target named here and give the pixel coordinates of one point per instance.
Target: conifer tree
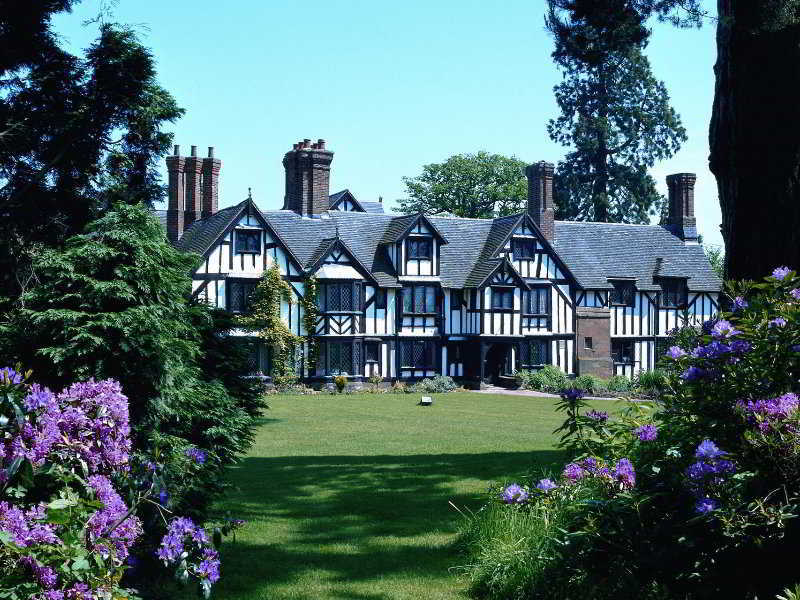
(615, 115)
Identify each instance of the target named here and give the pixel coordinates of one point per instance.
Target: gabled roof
(597, 252)
(487, 268)
(402, 226)
(370, 207)
(326, 246)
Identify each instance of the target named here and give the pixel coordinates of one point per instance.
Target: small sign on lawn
(426, 401)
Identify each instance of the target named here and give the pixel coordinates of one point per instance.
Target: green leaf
(80, 564)
(61, 503)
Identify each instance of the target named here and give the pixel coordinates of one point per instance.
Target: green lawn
(346, 497)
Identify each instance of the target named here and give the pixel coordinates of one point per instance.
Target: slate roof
(370, 207)
(596, 252)
(592, 252)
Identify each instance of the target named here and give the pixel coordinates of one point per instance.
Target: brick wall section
(681, 203)
(211, 169)
(540, 196)
(193, 169)
(596, 324)
(175, 212)
(308, 170)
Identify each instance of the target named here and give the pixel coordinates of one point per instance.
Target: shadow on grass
(358, 518)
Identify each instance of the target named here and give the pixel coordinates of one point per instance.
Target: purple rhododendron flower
(716, 349)
(9, 375)
(739, 303)
(101, 523)
(694, 373)
(740, 346)
(795, 293)
(600, 416)
(572, 394)
(646, 433)
(545, 485)
(781, 273)
(723, 329)
(777, 322)
(197, 455)
(770, 413)
(574, 472)
(676, 352)
(705, 505)
(709, 450)
(624, 473)
(514, 494)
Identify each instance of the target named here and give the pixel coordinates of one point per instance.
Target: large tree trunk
(755, 138)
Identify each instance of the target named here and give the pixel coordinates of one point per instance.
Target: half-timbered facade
(411, 296)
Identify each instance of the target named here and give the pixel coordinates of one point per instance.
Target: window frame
(340, 344)
(681, 295)
(428, 353)
(356, 293)
(528, 243)
(622, 286)
(243, 234)
(412, 289)
(502, 292)
(380, 299)
(544, 353)
(622, 344)
(413, 247)
(527, 294)
(230, 283)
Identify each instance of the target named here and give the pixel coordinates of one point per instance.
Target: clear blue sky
(390, 86)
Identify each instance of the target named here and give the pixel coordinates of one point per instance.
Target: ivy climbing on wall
(310, 314)
(265, 320)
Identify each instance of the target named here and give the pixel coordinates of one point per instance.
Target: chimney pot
(321, 144)
(194, 150)
(176, 150)
(306, 142)
(307, 179)
(211, 152)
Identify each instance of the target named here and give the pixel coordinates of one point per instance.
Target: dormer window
(419, 248)
(523, 249)
(673, 293)
(502, 297)
(248, 241)
(623, 294)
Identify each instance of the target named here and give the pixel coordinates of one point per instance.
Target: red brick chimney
(193, 168)
(176, 201)
(681, 205)
(308, 169)
(540, 196)
(210, 184)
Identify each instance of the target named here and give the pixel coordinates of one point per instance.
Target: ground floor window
(371, 352)
(338, 357)
(418, 354)
(622, 351)
(533, 353)
(259, 358)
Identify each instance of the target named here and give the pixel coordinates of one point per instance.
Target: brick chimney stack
(176, 195)
(681, 205)
(193, 169)
(540, 196)
(210, 185)
(308, 170)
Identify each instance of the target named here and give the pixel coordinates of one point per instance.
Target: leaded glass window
(340, 357)
(419, 299)
(533, 353)
(248, 241)
(502, 297)
(536, 301)
(623, 294)
(418, 354)
(239, 294)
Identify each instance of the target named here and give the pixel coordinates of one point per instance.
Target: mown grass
(346, 497)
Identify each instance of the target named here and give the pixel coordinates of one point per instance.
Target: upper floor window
(473, 299)
(674, 293)
(339, 297)
(380, 298)
(239, 294)
(536, 301)
(523, 248)
(623, 294)
(419, 299)
(248, 240)
(419, 248)
(502, 297)
(456, 299)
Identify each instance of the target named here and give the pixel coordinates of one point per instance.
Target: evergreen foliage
(479, 185)
(615, 115)
(265, 320)
(79, 132)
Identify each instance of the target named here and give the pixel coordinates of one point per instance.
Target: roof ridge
(609, 223)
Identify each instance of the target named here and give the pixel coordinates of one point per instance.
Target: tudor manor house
(411, 296)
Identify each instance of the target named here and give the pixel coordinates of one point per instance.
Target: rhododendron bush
(693, 497)
(65, 529)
